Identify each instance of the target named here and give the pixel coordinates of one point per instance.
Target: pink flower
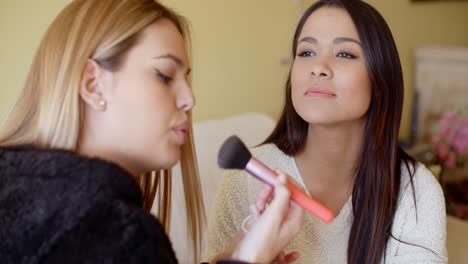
(459, 141)
(460, 144)
(448, 119)
(436, 140)
(444, 132)
(442, 151)
(452, 138)
(450, 161)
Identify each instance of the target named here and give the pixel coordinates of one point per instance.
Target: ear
(91, 86)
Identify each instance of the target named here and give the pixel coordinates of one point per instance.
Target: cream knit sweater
(327, 243)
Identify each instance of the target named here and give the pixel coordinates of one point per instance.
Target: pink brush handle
(265, 174)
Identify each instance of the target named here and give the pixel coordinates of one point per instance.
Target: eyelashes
(306, 54)
(341, 54)
(346, 55)
(170, 79)
(163, 77)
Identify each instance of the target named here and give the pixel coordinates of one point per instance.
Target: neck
(331, 154)
(92, 143)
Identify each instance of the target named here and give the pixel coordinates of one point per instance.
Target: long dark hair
(377, 182)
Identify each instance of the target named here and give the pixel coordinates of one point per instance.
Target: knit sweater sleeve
(229, 210)
(420, 229)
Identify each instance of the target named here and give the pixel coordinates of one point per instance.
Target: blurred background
(240, 48)
(241, 54)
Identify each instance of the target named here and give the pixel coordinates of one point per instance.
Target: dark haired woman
(338, 138)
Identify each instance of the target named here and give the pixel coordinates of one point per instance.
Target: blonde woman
(103, 116)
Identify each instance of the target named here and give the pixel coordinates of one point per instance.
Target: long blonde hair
(48, 112)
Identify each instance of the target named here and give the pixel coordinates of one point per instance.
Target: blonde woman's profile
(103, 116)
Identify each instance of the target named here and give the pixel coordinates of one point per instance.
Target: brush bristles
(233, 154)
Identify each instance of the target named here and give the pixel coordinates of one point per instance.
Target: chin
(317, 117)
(170, 160)
(161, 160)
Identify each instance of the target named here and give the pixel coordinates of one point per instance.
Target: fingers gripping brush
(235, 155)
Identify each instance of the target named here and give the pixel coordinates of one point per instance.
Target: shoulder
(81, 208)
(420, 218)
(422, 180)
(273, 157)
(268, 152)
(420, 192)
(60, 183)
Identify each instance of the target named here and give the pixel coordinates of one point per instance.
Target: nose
(185, 98)
(321, 69)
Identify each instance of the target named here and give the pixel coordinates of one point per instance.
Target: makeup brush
(235, 155)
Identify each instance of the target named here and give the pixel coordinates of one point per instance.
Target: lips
(181, 132)
(317, 91)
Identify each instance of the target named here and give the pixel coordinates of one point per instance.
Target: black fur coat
(59, 207)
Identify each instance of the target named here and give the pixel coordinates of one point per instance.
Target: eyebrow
(335, 41)
(175, 59)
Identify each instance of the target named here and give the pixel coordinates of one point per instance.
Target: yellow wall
(237, 46)
(237, 49)
(22, 23)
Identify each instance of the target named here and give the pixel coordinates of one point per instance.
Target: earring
(102, 103)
